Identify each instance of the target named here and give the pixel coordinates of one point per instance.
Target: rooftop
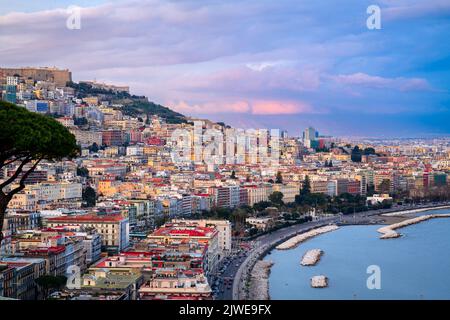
(88, 218)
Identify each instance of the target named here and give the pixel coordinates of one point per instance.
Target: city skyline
(260, 64)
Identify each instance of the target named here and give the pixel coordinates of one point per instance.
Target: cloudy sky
(283, 64)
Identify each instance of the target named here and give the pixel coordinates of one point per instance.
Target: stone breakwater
(311, 257)
(319, 281)
(259, 282)
(294, 241)
(388, 232)
(405, 212)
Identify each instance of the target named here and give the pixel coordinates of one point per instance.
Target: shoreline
(388, 232)
(259, 280)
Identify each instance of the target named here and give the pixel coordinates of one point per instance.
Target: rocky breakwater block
(311, 257)
(319, 282)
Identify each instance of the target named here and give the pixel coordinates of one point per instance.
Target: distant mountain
(132, 105)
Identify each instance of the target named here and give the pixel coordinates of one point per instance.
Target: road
(239, 261)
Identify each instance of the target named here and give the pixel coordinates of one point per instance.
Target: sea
(361, 266)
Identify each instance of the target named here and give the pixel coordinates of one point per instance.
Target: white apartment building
(222, 226)
(53, 192)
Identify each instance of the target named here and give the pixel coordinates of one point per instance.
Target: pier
(388, 232)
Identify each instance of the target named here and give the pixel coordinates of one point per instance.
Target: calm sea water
(414, 266)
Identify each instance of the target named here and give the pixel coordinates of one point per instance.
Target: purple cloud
(401, 84)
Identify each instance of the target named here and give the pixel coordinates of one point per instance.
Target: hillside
(132, 105)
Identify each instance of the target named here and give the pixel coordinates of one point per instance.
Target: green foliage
(94, 148)
(26, 138)
(312, 199)
(356, 154)
(370, 190)
(136, 107)
(80, 121)
(133, 105)
(276, 198)
(253, 231)
(82, 172)
(306, 187)
(84, 90)
(385, 186)
(368, 151)
(26, 134)
(48, 282)
(279, 178)
(89, 196)
(262, 205)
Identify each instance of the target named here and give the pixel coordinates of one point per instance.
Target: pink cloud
(258, 107)
(279, 107)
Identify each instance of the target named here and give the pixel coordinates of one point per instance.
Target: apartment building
(114, 228)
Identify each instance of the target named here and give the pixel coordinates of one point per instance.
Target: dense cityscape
(158, 205)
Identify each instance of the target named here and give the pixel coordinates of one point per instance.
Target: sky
(283, 64)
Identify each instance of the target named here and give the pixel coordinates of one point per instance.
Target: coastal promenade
(267, 242)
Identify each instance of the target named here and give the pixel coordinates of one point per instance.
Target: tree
(262, 205)
(370, 190)
(94, 147)
(48, 282)
(80, 121)
(279, 178)
(89, 196)
(385, 186)
(356, 154)
(26, 140)
(253, 231)
(368, 151)
(82, 172)
(276, 198)
(306, 187)
(238, 216)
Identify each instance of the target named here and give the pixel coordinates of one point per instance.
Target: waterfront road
(229, 280)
